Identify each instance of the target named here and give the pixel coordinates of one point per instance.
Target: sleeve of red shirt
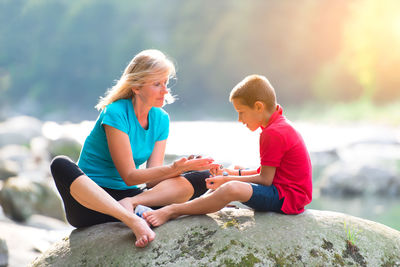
(271, 148)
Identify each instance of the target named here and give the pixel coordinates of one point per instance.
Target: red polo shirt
(281, 146)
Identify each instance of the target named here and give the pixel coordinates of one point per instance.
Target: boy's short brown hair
(255, 88)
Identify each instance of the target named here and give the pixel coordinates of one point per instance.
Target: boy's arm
(265, 177)
(233, 172)
(247, 172)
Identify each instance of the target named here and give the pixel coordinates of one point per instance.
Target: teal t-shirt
(95, 159)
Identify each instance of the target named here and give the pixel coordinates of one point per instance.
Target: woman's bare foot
(160, 216)
(142, 231)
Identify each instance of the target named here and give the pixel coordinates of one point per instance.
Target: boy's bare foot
(160, 216)
(142, 231)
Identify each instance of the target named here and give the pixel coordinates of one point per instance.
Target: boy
(281, 184)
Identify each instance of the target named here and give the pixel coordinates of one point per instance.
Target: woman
(130, 130)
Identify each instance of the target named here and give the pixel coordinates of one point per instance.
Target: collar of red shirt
(278, 112)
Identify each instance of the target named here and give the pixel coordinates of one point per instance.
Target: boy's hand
(220, 171)
(216, 170)
(215, 182)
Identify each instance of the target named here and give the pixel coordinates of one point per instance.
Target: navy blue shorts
(265, 198)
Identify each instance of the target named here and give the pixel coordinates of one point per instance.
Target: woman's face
(153, 93)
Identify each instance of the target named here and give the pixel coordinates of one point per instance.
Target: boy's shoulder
(282, 129)
(280, 125)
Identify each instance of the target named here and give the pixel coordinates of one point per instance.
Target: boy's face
(252, 117)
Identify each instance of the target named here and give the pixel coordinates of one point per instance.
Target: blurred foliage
(59, 57)
(360, 110)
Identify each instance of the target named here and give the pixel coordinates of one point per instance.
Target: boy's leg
(230, 191)
(265, 198)
(71, 181)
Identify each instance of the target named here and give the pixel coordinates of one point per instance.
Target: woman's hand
(194, 164)
(215, 182)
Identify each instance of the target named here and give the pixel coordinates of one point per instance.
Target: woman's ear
(135, 90)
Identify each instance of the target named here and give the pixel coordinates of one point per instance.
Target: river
(231, 143)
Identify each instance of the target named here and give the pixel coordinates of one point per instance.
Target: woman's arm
(156, 159)
(265, 177)
(157, 156)
(120, 150)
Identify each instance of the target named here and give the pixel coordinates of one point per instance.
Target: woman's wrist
(174, 167)
(177, 168)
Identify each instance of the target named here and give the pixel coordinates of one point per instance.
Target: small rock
(8, 169)
(3, 253)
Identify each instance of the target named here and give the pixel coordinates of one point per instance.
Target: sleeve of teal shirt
(164, 127)
(116, 116)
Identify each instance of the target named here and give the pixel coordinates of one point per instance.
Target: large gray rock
(20, 198)
(345, 179)
(235, 237)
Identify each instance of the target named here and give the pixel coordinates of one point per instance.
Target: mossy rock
(65, 146)
(235, 237)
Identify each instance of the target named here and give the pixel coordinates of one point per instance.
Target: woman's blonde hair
(147, 66)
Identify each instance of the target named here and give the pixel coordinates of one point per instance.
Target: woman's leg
(90, 195)
(230, 191)
(174, 190)
(79, 191)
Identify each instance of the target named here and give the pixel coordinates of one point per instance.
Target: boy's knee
(233, 189)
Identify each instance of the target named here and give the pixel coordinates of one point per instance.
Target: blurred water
(232, 143)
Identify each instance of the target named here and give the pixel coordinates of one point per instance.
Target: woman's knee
(58, 165)
(183, 186)
(64, 170)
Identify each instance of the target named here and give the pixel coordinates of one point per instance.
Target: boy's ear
(259, 106)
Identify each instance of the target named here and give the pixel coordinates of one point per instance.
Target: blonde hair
(147, 66)
(255, 88)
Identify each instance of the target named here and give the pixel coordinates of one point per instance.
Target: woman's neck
(141, 112)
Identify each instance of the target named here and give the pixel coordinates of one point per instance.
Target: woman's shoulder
(159, 112)
(119, 105)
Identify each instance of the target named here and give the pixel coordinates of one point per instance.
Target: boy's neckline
(278, 112)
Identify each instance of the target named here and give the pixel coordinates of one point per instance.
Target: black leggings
(65, 171)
